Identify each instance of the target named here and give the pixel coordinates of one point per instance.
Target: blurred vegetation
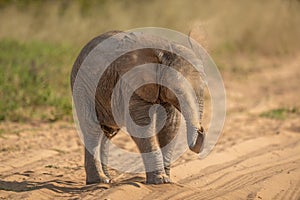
(280, 113)
(34, 81)
(40, 39)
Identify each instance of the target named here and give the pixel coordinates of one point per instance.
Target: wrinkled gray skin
(140, 102)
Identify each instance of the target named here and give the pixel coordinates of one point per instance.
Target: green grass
(280, 113)
(34, 81)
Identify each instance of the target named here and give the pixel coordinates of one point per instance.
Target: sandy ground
(255, 158)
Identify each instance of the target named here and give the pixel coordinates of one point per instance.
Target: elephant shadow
(64, 186)
(55, 185)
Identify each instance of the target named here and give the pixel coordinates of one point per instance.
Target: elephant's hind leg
(152, 159)
(94, 173)
(146, 141)
(167, 134)
(104, 153)
(109, 133)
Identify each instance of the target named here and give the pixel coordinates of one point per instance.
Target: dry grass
(237, 34)
(270, 27)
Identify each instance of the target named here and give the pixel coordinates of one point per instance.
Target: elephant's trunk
(196, 142)
(190, 104)
(192, 111)
(184, 89)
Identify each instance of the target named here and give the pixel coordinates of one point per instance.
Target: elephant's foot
(94, 173)
(98, 178)
(157, 178)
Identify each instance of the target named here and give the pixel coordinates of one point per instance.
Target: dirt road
(256, 157)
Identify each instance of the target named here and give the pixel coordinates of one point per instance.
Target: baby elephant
(169, 72)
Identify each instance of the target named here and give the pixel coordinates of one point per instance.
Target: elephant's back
(86, 50)
(115, 70)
